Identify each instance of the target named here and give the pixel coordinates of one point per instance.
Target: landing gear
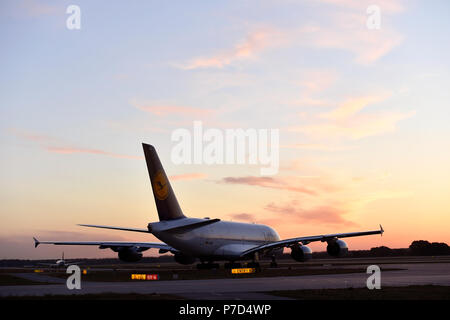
(254, 263)
(273, 264)
(208, 266)
(232, 265)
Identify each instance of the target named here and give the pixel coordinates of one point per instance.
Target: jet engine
(337, 248)
(301, 253)
(184, 259)
(130, 254)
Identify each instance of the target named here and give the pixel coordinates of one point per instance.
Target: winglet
(36, 242)
(381, 230)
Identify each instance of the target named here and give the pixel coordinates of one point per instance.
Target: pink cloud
(347, 121)
(243, 217)
(315, 147)
(358, 127)
(177, 115)
(267, 182)
(70, 150)
(55, 146)
(29, 135)
(35, 8)
(253, 43)
(367, 45)
(188, 176)
(353, 105)
(386, 6)
(321, 214)
(166, 110)
(313, 83)
(346, 29)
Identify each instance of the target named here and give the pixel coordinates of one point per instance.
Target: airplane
(59, 263)
(208, 240)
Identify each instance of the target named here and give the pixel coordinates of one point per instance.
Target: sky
(362, 115)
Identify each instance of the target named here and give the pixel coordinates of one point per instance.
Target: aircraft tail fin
(166, 202)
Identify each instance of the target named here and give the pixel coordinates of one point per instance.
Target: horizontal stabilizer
(36, 242)
(114, 228)
(188, 227)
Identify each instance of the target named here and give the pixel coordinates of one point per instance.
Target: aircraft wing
(68, 263)
(306, 240)
(111, 244)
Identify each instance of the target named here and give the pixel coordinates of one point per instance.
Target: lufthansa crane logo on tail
(160, 186)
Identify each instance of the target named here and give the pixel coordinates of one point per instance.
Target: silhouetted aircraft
(59, 263)
(208, 239)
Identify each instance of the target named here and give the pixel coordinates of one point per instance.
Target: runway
(245, 288)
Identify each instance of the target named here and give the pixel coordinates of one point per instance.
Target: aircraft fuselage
(222, 240)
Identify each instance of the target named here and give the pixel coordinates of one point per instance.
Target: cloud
(349, 122)
(169, 110)
(53, 145)
(367, 45)
(315, 147)
(346, 29)
(357, 127)
(188, 176)
(33, 8)
(141, 127)
(386, 6)
(267, 182)
(320, 214)
(313, 83)
(29, 135)
(253, 43)
(177, 115)
(353, 105)
(243, 217)
(71, 150)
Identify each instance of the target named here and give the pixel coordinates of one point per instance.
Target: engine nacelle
(337, 248)
(301, 253)
(130, 254)
(184, 259)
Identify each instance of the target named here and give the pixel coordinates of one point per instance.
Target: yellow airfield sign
(243, 270)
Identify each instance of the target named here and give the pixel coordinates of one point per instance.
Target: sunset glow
(363, 118)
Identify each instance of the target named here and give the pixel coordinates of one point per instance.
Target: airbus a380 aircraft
(207, 239)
